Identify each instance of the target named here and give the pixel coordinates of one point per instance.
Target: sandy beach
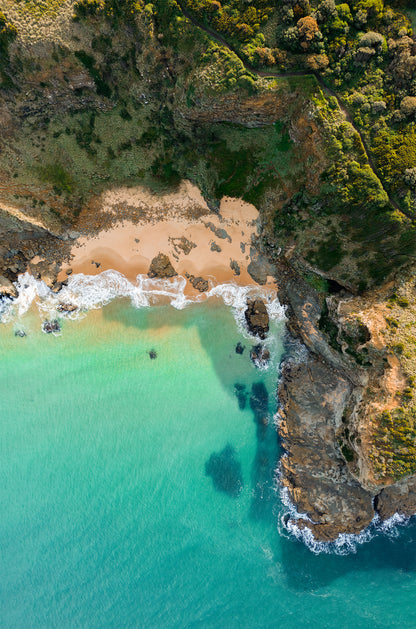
(198, 242)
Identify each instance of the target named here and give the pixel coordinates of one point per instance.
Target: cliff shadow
(225, 346)
(264, 500)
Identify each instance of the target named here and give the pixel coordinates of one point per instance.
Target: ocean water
(139, 492)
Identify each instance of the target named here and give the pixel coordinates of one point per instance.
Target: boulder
(260, 355)
(67, 307)
(257, 318)
(200, 284)
(51, 327)
(161, 266)
(6, 287)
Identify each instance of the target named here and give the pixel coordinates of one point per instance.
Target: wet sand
(197, 241)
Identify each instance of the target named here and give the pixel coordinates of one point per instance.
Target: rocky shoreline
(315, 396)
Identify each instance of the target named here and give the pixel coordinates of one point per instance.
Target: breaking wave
(345, 543)
(86, 292)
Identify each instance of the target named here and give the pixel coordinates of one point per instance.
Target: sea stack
(257, 318)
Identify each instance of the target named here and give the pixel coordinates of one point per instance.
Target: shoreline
(198, 242)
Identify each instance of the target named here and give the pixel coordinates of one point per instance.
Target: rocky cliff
(89, 104)
(331, 406)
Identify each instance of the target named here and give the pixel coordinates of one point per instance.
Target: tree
(307, 29)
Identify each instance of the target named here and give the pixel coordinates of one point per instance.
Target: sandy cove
(141, 225)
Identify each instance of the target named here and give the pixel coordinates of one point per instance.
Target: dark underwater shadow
(122, 311)
(225, 471)
(264, 501)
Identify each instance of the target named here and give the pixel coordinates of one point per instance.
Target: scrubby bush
(410, 177)
(408, 106)
(371, 39)
(8, 33)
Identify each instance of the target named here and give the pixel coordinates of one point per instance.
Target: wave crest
(346, 543)
(88, 292)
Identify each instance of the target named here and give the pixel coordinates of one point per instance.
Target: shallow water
(140, 493)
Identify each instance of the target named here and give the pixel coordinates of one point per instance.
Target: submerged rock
(260, 355)
(161, 266)
(239, 349)
(51, 327)
(152, 354)
(225, 471)
(259, 403)
(257, 318)
(20, 333)
(241, 395)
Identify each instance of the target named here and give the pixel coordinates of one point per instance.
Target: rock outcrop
(199, 283)
(257, 318)
(51, 327)
(399, 498)
(313, 397)
(6, 287)
(161, 267)
(260, 355)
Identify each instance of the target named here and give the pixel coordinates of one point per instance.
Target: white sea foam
(345, 543)
(88, 292)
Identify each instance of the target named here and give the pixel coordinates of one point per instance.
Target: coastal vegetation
(304, 108)
(355, 222)
(393, 434)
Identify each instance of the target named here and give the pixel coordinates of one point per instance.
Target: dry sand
(179, 225)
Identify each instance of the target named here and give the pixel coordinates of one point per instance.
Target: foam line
(95, 291)
(346, 543)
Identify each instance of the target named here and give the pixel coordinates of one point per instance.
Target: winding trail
(285, 75)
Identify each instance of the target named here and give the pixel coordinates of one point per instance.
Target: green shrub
(58, 176)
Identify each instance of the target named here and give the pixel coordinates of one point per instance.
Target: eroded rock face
(257, 318)
(161, 266)
(6, 287)
(399, 498)
(313, 397)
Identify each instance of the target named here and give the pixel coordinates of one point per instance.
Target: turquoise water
(109, 517)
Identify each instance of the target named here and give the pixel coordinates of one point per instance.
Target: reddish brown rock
(161, 266)
(313, 397)
(257, 318)
(399, 498)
